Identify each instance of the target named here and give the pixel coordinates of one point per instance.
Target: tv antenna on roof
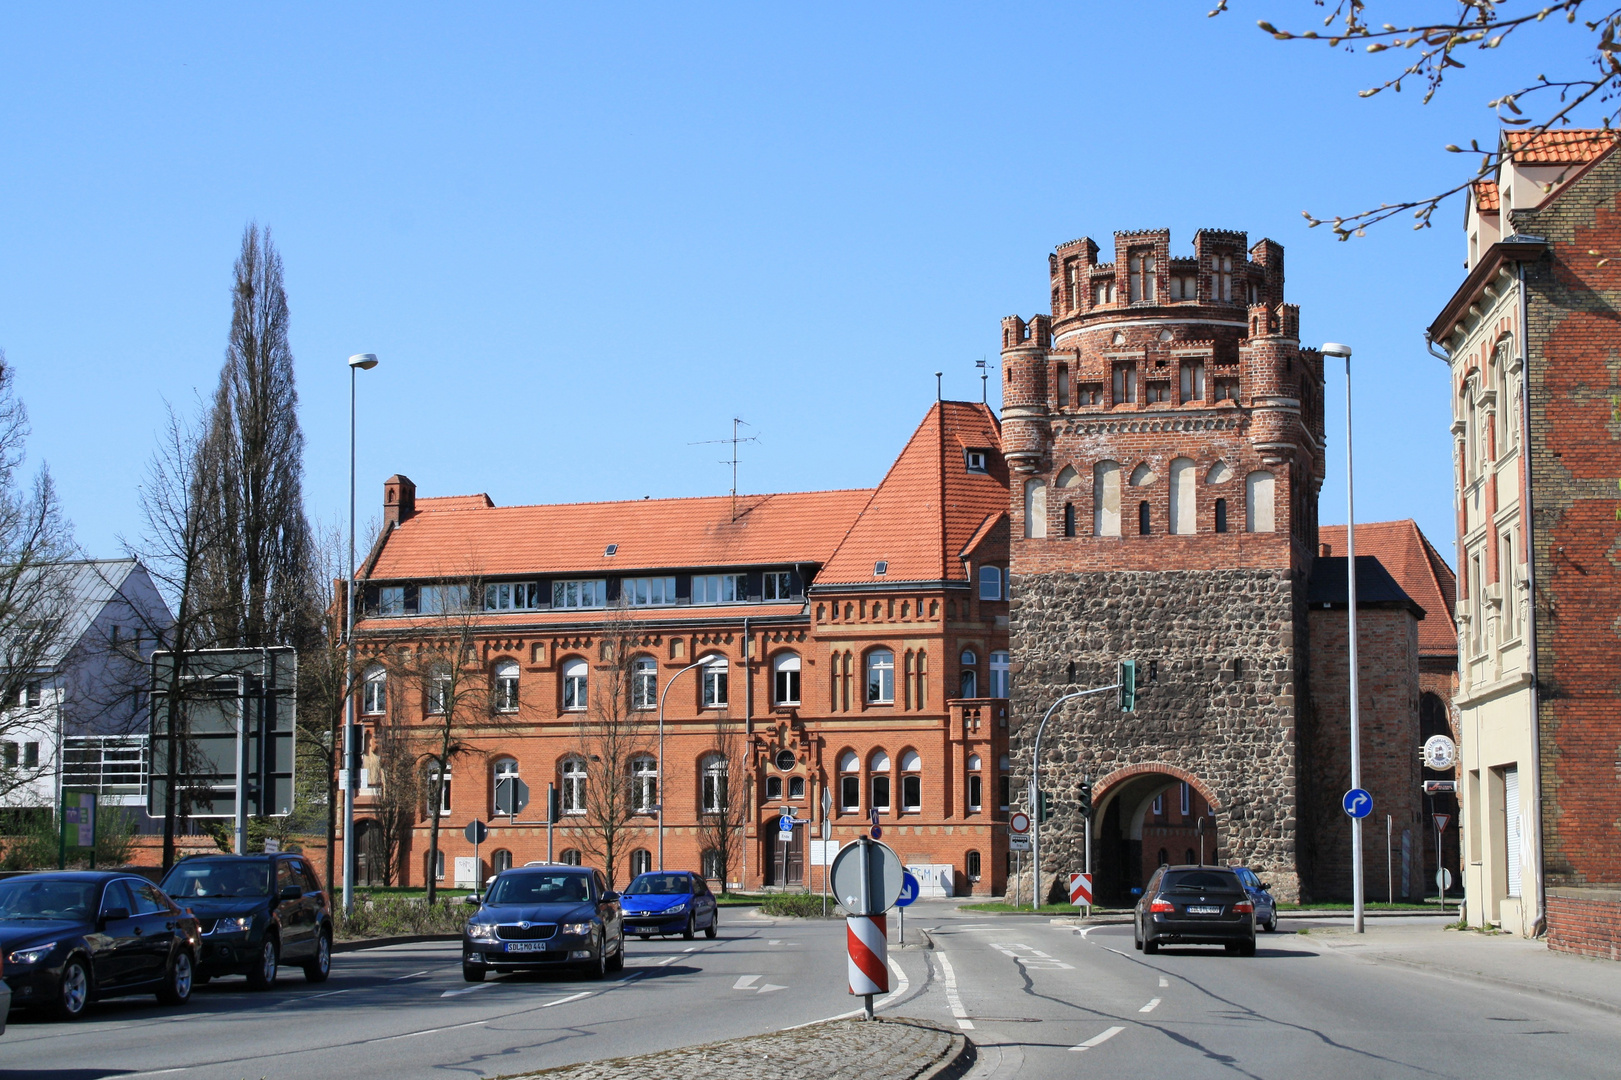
(734, 440)
(984, 374)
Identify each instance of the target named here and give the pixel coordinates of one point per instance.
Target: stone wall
(1219, 672)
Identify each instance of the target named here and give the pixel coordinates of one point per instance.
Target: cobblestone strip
(891, 1048)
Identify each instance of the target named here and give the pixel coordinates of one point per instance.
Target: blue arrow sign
(908, 890)
(1358, 803)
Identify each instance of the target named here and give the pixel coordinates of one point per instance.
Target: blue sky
(582, 238)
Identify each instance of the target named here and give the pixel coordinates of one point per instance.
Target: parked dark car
(72, 937)
(257, 912)
(669, 902)
(1195, 905)
(544, 916)
(1266, 909)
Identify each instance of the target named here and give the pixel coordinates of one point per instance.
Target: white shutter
(1511, 811)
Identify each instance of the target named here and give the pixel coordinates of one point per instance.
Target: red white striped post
(867, 938)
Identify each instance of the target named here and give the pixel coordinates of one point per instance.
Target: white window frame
(512, 596)
(642, 856)
(374, 691)
(644, 784)
(439, 690)
(990, 583)
(720, 589)
(777, 585)
(432, 772)
(712, 681)
(579, 594)
(648, 591)
(644, 683)
(573, 776)
(880, 663)
(1001, 674)
(849, 769)
(506, 686)
(715, 795)
(786, 679)
(442, 599)
(576, 676)
(390, 600)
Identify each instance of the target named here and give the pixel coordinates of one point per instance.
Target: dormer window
(1103, 291)
(1184, 287)
(975, 460)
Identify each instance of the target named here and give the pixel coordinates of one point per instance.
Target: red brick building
(849, 645)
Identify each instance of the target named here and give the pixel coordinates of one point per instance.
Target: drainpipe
(1540, 924)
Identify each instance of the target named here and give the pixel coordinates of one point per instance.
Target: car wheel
(1246, 948)
(618, 961)
(714, 925)
(687, 933)
(1234, 948)
(319, 968)
(1271, 926)
(598, 968)
(1136, 938)
(472, 973)
(176, 989)
(1150, 947)
(263, 974)
(73, 993)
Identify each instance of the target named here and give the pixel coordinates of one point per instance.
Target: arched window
(500, 860)
(796, 787)
(1144, 522)
(976, 783)
(880, 677)
(644, 683)
(1106, 498)
(714, 681)
(503, 773)
(506, 686)
(1258, 498)
(574, 786)
(1221, 515)
(1035, 508)
(773, 788)
(716, 772)
(430, 775)
(1069, 519)
(1184, 497)
(374, 691)
(785, 679)
(990, 583)
(575, 672)
(1004, 782)
(849, 781)
(968, 659)
(878, 776)
(440, 691)
(969, 684)
(911, 781)
(641, 861)
(570, 857)
(644, 784)
(971, 864)
(1001, 668)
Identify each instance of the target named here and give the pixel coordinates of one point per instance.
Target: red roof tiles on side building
(1570, 147)
(1487, 200)
(1406, 553)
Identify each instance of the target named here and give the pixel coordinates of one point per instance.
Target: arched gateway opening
(1144, 820)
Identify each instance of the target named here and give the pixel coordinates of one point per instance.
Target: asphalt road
(1049, 1001)
(406, 1012)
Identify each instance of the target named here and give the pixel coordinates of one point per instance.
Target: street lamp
(358, 362)
(1035, 799)
(662, 694)
(1334, 349)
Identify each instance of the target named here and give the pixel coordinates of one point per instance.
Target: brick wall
(1585, 921)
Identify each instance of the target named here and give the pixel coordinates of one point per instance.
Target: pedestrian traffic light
(1085, 797)
(1128, 685)
(1043, 808)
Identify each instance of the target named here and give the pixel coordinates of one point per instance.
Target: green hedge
(400, 916)
(798, 905)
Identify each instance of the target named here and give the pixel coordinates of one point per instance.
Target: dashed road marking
(466, 989)
(1164, 982)
(667, 960)
(432, 1031)
(1032, 959)
(566, 1000)
(402, 978)
(1098, 1040)
(953, 999)
(690, 948)
(1151, 1006)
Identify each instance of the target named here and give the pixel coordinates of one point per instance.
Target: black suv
(1195, 905)
(257, 911)
(545, 916)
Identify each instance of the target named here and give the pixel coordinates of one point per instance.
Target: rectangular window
(441, 599)
(1004, 789)
(1192, 380)
(1074, 285)
(1089, 394)
(1063, 386)
(976, 786)
(1223, 278)
(31, 755)
(787, 686)
(11, 756)
(974, 460)
(391, 600)
(1158, 392)
(849, 792)
(1227, 389)
(911, 792)
(1184, 287)
(513, 596)
(1125, 384)
(1187, 800)
(1505, 575)
(648, 591)
(990, 583)
(1142, 277)
(714, 686)
(880, 793)
(1103, 291)
(778, 584)
(31, 693)
(586, 593)
(719, 588)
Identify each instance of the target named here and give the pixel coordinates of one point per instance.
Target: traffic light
(1043, 808)
(1128, 685)
(1085, 799)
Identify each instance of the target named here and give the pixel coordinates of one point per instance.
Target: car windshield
(33, 898)
(218, 877)
(1205, 881)
(660, 885)
(531, 888)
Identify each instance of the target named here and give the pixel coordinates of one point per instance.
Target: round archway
(1145, 819)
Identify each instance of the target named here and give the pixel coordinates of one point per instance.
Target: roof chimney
(399, 500)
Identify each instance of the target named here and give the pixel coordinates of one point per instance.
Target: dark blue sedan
(540, 916)
(670, 902)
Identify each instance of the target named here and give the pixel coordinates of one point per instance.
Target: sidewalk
(890, 1048)
(1495, 960)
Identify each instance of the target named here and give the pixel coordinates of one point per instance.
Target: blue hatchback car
(670, 902)
(1266, 909)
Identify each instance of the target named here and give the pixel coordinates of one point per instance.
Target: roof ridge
(762, 496)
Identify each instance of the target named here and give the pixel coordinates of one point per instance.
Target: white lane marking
(900, 977)
(774, 941)
(693, 948)
(1164, 982)
(1151, 1006)
(1098, 1040)
(159, 1072)
(745, 982)
(953, 999)
(330, 993)
(565, 1001)
(466, 989)
(668, 960)
(1085, 930)
(432, 1031)
(1032, 959)
(881, 1003)
(402, 978)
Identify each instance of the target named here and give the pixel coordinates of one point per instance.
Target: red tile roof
(454, 502)
(1418, 568)
(1570, 147)
(488, 619)
(1486, 199)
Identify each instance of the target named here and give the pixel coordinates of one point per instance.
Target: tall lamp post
(358, 362)
(662, 694)
(1335, 349)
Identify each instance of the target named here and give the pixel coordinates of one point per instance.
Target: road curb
(956, 1063)
(1476, 978)
(360, 944)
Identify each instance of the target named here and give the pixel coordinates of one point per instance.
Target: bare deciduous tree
(723, 802)
(612, 734)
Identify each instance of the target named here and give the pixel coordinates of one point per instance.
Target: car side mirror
(113, 914)
(608, 897)
(290, 892)
(1265, 887)
(472, 900)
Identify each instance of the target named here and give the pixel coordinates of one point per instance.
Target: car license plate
(526, 946)
(642, 929)
(1203, 909)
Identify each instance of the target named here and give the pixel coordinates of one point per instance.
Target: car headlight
(233, 924)
(578, 929)
(481, 931)
(676, 909)
(24, 957)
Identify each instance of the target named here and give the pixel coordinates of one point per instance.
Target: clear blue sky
(582, 239)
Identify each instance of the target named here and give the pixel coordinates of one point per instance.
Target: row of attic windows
(585, 594)
(1111, 500)
(1185, 384)
(1146, 283)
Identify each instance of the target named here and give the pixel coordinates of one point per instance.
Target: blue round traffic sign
(786, 823)
(1358, 803)
(908, 890)
(877, 833)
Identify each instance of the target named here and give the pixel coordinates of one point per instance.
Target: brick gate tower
(1164, 432)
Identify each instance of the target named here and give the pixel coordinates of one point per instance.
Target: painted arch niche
(1260, 502)
(1035, 509)
(1184, 497)
(1106, 498)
